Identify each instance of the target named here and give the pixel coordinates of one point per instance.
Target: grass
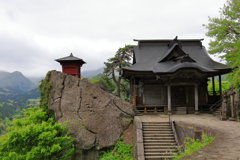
(193, 145)
(121, 151)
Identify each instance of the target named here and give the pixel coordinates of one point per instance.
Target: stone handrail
(174, 130)
(138, 139)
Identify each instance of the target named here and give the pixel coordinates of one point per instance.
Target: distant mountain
(17, 82)
(3, 74)
(35, 80)
(92, 73)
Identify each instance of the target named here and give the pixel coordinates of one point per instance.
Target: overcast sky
(35, 32)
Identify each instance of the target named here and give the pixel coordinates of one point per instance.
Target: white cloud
(92, 30)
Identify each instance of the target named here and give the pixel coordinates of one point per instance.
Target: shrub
(193, 145)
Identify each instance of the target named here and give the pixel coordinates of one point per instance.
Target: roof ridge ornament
(71, 55)
(175, 40)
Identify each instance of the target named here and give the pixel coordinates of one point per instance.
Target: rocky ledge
(96, 118)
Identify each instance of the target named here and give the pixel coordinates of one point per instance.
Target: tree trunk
(118, 90)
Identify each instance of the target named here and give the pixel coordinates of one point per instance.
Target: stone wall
(192, 131)
(96, 118)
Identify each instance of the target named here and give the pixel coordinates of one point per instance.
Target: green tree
(36, 137)
(225, 86)
(115, 64)
(105, 83)
(225, 34)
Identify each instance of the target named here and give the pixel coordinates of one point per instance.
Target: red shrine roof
(70, 58)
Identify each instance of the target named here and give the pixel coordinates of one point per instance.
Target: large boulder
(96, 118)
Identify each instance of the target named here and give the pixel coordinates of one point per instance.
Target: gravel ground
(226, 145)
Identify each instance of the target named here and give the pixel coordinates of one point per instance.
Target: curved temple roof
(70, 58)
(167, 56)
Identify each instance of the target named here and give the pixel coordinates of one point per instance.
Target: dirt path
(226, 145)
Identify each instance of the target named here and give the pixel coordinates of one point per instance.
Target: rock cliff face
(96, 118)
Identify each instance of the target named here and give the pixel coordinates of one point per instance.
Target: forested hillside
(16, 93)
(17, 82)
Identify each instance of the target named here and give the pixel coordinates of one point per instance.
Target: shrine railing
(215, 106)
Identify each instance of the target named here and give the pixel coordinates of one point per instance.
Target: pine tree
(115, 64)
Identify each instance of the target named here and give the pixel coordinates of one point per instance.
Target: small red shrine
(71, 65)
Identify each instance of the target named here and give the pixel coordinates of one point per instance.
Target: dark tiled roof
(69, 58)
(157, 57)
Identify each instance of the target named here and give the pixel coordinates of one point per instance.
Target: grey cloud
(117, 22)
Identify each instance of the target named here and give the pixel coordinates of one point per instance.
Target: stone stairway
(158, 140)
(217, 112)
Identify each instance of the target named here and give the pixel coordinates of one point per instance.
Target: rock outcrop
(96, 118)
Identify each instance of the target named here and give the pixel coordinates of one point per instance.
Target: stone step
(158, 157)
(159, 154)
(157, 129)
(158, 138)
(160, 150)
(167, 124)
(158, 135)
(158, 141)
(164, 124)
(160, 147)
(159, 144)
(157, 132)
(157, 123)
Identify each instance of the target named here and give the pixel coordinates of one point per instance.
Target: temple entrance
(155, 95)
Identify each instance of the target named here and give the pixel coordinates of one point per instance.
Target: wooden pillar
(206, 88)
(186, 91)
(169, 98)
(213, 87)
(143, 95)
(134, 92)
(196, 99)
(232, 106)
(131, 90)
(220, 85)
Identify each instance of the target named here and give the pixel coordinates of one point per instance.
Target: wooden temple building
(71, 65)
(167, 75)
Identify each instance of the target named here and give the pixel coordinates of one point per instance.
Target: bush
(193, 145)
(120, 151)
(36, 137)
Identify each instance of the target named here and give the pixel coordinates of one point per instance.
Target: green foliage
(36, 137)
(12, 103)
(120, 151)
(131, 120)
(225, 86)
(225, 32)
(4, 123)
(44, 88)
(193, 145)
(115, 64)
(2, 128)
(104, 82)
